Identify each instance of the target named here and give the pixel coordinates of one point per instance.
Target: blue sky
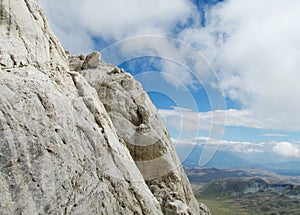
(209, 66)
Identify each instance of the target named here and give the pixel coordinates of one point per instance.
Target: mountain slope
(245, 191)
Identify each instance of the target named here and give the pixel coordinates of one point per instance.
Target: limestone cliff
(85, 142)
(138, 123)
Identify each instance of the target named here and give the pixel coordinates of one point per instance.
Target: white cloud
(113, 19)
(284, 149)
(65, 19)
(225, 145)
(78, 23)
(287, 149)
(118, 19)
(180, 118)
(255, 47)
(274, 135)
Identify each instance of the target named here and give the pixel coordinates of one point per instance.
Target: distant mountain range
(226, 159)
(245, 191)
(203, 175)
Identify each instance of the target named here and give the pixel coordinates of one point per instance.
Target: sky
(223, 73)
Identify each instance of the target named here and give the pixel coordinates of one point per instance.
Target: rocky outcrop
(74, 143)
(138, 123)
(60, 153)
(26, 38)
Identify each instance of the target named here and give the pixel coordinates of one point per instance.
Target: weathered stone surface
(26, 38)
(137, 122)
(91, 61)
(76, 62)
(204, 208)
(80, 62)
(60, 151)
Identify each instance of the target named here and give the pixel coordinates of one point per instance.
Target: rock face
(138, 123)
(74, 143)
(26, 38)
(60, 153)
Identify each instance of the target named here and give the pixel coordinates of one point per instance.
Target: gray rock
(91, 61)
(76, 62)
(60, 150)
(204, 209)
(26, 38)
(137, 122)
(60, 153)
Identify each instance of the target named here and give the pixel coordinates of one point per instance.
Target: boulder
(92, 61)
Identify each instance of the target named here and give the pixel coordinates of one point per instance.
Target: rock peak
(26, 38)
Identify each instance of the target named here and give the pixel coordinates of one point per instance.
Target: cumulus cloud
(274, 135)
(287, 149)
(117, 19)
(180, 118)
(284, 149)
(225, 145)
(241, 147)
(255, 46)
(139, 28)
(65, 19)
(114, 20)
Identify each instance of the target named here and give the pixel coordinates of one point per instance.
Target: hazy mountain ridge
(226, 159)
(250, 190)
